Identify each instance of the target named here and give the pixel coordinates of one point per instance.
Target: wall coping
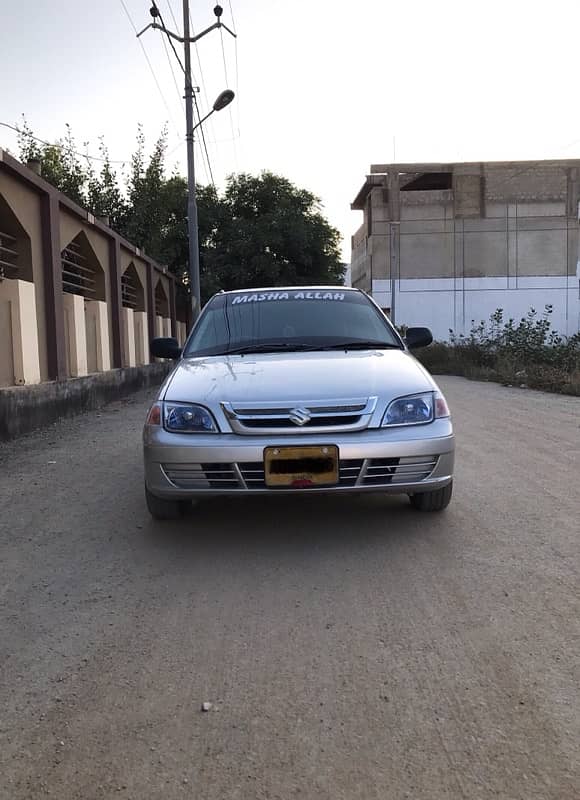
(22, 172)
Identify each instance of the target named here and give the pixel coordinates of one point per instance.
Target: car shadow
(301, 522)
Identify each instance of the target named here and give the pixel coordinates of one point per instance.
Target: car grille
(250, 475)
(315, 422)
(353, 414)
(202, 476)
(380, 471)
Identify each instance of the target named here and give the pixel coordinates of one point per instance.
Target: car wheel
(432, 501)
(164, 509)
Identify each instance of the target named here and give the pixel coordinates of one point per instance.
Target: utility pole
(192, 227)
(224, 99)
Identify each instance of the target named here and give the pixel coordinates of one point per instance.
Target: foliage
(263, 230)
(104, 196)
(528, 352)
(270, 233)
(60, 163)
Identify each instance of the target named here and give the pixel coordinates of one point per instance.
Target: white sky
(323, 86)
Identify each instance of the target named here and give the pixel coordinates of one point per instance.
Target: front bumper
(398, 461)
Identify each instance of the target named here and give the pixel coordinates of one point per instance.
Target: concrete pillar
(158, 326)
(118, 345)
(56, 347)
(167, 326)
(181, 332)
(75, 335)
(150, 301)
(99, 348)
(141, 337)
(172, 306)
(20, 363)
(128, 337)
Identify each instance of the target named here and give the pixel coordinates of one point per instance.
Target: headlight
(188, 418)
(416, 409)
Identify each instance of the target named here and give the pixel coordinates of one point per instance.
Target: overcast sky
(322, 87)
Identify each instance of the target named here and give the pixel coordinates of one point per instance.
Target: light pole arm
(156, 26)
(200, 123)
(213, 27)
(182, 39)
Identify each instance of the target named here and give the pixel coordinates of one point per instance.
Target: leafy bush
(528, 353)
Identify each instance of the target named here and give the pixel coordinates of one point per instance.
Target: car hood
(296, 377)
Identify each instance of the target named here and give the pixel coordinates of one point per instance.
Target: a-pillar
(21, 337)
(128, 327)
(75, 334)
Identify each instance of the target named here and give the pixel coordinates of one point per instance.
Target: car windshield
(289, 320)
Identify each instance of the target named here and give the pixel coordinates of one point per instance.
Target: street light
(221, 101)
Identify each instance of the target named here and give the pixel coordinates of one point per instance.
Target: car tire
(432, 501)
(164, 509)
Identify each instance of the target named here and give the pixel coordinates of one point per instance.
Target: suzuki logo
(299, 416)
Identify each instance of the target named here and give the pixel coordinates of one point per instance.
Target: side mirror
(418, 337)
(165, 348)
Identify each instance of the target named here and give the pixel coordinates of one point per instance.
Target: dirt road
(351, 648)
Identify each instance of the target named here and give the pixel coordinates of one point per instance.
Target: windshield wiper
(265, 347)
(296, 347)
(357, 345)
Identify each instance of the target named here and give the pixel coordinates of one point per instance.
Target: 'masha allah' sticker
(260, 298)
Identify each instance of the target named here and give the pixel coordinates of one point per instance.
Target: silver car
(296, 390)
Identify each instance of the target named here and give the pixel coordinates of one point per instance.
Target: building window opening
(82, 273)
(429, 182)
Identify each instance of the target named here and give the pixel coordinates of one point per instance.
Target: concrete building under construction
(445, 244)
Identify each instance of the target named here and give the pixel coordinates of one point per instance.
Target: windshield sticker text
(260, 298)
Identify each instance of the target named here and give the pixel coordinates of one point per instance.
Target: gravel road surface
(351, 648)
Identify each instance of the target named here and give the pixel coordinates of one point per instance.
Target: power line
(230, 108)
(165, 103)
(169, 39)
(60, 146)
(232, 16)
(204, 142)
(207, 168)
(224, 56)
(202, 78)
(172, 70)
(209, 172)
(172, 151)
(237, 68)
(173, 16)
(209, 175)
(236, 64)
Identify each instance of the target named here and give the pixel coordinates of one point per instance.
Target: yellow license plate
(301, 467)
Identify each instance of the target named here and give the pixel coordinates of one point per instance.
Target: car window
(295, 317)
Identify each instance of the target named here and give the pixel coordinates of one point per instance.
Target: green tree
(146, 217)
(60, 163)
(104, 196)
(262, 231)
(269, 232)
